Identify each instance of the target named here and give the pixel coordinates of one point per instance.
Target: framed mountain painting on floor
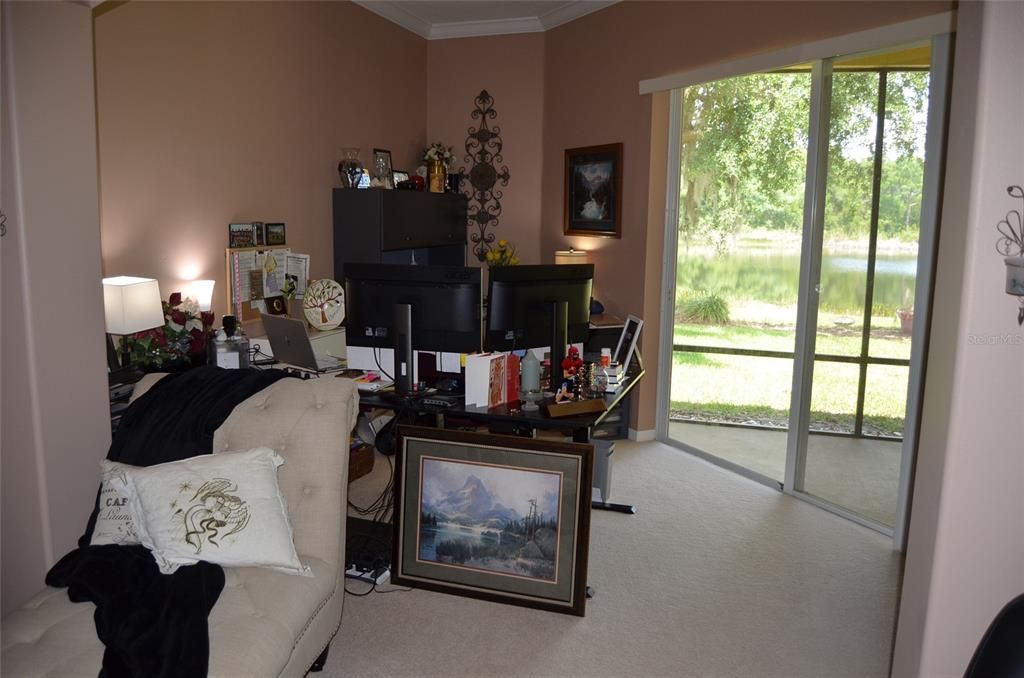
(502, 518)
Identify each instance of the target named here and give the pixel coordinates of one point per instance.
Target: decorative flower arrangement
(182, 338)
(502, 255)
(438, 151)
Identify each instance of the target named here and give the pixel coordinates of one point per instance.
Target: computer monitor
(530, 306)
(412, 308)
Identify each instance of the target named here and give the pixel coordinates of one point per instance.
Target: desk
(580, 428)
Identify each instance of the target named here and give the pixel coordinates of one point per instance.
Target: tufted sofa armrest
(308, 423)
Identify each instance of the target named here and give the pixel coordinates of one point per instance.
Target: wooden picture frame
(627, 342)
(389, 179)
(275, 234)
(593, 191)
(524, 540)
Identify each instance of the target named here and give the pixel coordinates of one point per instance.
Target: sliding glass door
(804, 231)
(743, 139)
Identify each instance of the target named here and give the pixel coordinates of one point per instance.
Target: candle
(531, 373)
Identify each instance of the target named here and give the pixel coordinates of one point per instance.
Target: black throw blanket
(155, 625)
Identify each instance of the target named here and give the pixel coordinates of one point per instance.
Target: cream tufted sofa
(265, 623)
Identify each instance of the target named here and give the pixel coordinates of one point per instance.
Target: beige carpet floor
(715, 576)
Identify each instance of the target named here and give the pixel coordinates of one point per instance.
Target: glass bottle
(350, 169)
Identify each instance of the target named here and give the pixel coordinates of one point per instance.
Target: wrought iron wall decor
(1011, 245)
(483, 150)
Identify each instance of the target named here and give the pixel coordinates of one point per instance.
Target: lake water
(771, 276)
(431, 536)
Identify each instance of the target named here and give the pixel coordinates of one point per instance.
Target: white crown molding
(396, 14)
(572, 11)
(468, 29)
(472, 29)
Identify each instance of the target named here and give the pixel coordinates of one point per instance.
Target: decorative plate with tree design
(323, 305)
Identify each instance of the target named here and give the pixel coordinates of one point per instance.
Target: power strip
(367, 576)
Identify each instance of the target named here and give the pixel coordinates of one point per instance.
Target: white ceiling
(440, 19)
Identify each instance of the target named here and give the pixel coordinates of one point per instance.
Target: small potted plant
(906, 318)
(502, 255)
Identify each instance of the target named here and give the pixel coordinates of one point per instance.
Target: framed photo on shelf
(382, 166)
(627, 342)
(399, 176)
(274, 234)
(593, 191)
(523, 540)
(243, 235)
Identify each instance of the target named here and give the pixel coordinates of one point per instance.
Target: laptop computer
(290, 344)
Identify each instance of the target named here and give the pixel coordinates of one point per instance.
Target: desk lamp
(131, 305)
(202, 292)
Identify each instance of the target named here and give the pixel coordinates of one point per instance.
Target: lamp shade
(571, 256)
(131, 304)
(202, 292)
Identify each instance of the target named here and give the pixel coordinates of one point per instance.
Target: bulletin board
(250, 278)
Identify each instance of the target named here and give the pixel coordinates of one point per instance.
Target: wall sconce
(1011, 245)
(202, 292)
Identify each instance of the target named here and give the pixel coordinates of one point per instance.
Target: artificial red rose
(196, 346)
(196, 333)
(208, 318)
(174, 299)
(178, 317)
(160, 338)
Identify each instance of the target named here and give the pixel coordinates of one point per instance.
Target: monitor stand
(559, 338)
(403, 349)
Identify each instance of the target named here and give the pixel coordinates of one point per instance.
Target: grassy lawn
(757, 390)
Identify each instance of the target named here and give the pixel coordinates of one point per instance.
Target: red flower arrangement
(182, 338)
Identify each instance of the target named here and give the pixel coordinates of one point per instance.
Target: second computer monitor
(521, 302)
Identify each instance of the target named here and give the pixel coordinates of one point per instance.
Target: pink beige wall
(55, 416)
(511, 69)
(213, 112)
(965, 557)
(592, 71)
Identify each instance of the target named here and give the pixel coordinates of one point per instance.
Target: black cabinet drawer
(412, 219)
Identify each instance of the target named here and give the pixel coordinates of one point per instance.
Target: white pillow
(114, 521)
(222, 508)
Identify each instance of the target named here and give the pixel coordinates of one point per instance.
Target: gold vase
(436, 174)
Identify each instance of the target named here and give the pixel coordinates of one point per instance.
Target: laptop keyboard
(327, 364)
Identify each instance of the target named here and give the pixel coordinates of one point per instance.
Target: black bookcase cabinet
(390, 226)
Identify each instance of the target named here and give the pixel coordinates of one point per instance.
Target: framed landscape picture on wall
(501, 518)
(593, 191)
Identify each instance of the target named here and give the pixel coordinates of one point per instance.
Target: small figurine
(563, 395)
(572, 362)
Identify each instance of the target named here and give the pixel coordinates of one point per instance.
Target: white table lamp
(202, 292)
(131, 305)
(572, 256)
